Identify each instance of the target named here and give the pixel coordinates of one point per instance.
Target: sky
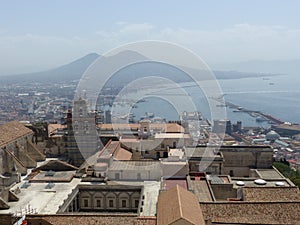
(36, 35)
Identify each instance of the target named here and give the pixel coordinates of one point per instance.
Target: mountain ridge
(74, 70)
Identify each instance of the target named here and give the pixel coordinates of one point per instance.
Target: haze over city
(36, 36)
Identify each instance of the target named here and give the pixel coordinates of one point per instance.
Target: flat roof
(250, 182)
(39, 199)
(171, 135)
(201, 190)
(135, 165)
(269, 174)
(170, 183)
(294, 127)
(199, 152)
(43, 176)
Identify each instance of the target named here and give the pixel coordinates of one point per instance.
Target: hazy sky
(36, 35)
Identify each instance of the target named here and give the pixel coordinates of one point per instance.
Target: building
(17, 152)
(81, 138)
(127, 182)
(178, 206)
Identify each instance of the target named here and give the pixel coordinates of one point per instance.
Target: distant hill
(74, 70)
(70, 71)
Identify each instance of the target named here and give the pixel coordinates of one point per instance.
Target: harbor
(260, 116)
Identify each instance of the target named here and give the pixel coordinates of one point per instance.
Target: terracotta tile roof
(109, 149)
(178, 204)
(52, 128)
(143, 220)
(12, 131)
(252, 212)
(91, 219)
(131, 165)
(123, 154)
(85, 219)
(271, 194)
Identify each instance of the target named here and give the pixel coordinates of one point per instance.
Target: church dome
(272, 136)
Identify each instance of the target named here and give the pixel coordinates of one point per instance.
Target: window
(111, 203)
(117, 176)
(98, 203)
(147, 152)
(165, 154)
(139, 176)
(157, 155)
(136, 203)
(162, 146)
(124, 205)
(86, 203)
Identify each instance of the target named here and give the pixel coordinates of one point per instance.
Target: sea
(276, 95)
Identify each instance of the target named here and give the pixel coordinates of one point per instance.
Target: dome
(279, 183)
(260, 181)
(240, 183)
(272, 136)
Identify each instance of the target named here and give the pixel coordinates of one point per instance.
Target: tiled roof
(252, 212)
(178, 204)
(85, 219)
(52, 128)
(91, 219)
(145, 220)
(123, 154)
(135, 165)
(271, 194)
(12, 131)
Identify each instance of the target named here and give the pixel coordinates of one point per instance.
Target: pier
(254, 113)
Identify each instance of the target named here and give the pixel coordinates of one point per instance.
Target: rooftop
(166, 127)
(93, 219)
(201, 190)
(40, 199)
(271, 194)
(12, 131)
(54, 128)
(294, 127)
(178, 204)
(252, 212)
(170, 183)
(135, 165)
(171, 135)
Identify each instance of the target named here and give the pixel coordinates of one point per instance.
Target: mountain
(71, 71)
(74, 70)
